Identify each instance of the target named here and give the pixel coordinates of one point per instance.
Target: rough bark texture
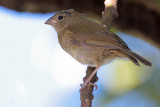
(86, 93)
(110, 13)
(134, 15)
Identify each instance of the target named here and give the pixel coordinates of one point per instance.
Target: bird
(89, 42)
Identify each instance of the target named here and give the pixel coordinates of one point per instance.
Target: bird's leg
(93, 84)
(89, 79)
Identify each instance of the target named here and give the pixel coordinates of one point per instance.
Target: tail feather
(134, 57)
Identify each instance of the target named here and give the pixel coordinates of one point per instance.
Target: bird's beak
(50, 21)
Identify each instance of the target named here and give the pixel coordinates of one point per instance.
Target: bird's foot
(94, 85)
(84, 85)
(87, 82)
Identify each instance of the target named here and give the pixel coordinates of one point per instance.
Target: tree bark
(110, 13)
(86, 93)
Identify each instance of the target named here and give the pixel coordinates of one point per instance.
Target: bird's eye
(60, 17)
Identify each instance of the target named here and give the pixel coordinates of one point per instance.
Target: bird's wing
(101, 44)
(120, 40)
(104, 39)
(97, 37)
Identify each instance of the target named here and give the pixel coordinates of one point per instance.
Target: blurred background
(36, 72)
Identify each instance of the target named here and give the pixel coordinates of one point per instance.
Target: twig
(108, 15)
(86, 94)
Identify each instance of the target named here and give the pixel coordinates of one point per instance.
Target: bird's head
(62, 19)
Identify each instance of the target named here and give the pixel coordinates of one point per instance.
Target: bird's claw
(94, 85)
(84, 85)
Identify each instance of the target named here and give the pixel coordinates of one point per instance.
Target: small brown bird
(90, 43)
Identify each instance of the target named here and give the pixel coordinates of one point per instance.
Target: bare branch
(110, 13)
(86, 93)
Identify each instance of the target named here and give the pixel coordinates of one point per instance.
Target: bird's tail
(135, 58)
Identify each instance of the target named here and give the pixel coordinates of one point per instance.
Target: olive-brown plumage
(88, 42)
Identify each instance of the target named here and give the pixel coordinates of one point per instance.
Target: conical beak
(50, 21)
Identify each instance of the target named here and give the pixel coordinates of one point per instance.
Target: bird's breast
(89, 55)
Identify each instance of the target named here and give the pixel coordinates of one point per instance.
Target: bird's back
(96, 44)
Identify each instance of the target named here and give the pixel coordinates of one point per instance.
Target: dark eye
(60, 17)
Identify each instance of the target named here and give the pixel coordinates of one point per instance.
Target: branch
(108, 15)
(86, 93)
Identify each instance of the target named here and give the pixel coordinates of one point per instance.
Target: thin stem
(86, 93)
